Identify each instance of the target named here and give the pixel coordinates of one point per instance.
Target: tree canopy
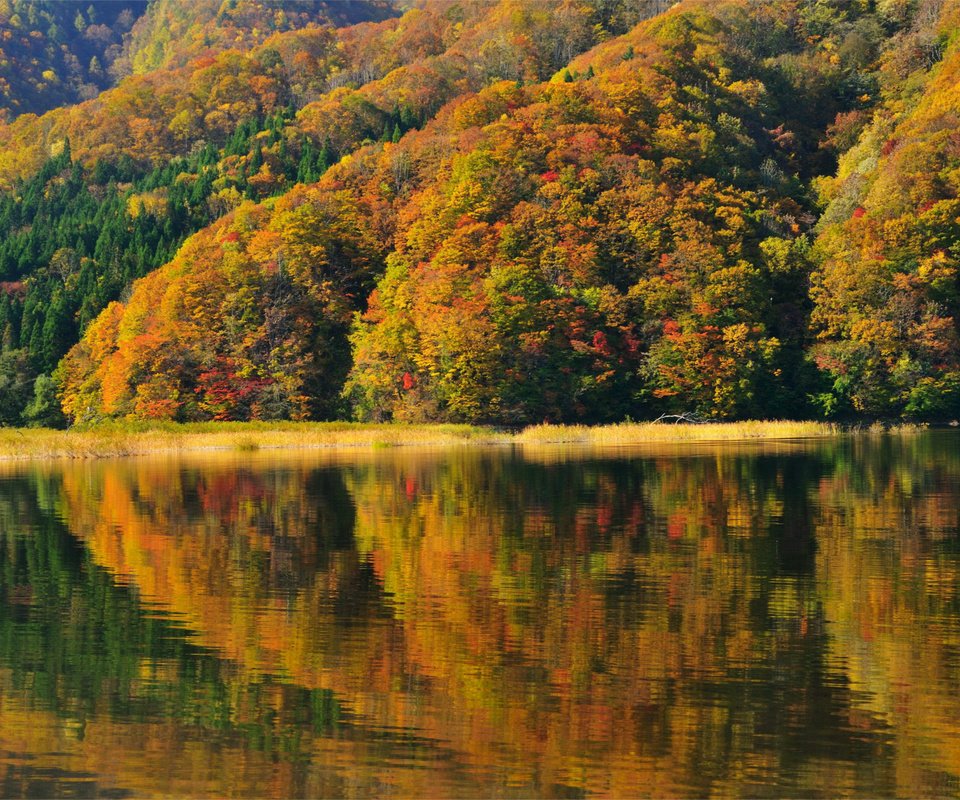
(500, 212)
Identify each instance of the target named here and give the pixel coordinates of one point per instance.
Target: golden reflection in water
(712, 620)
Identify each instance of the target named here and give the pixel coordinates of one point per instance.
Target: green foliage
(43, 411)
(75, 238)
(16, 379)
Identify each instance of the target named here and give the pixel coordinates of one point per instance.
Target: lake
(767, 620)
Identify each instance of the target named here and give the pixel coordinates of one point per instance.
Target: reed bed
(127, 439)
(640, 432)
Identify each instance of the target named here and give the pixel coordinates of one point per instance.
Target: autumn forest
(489, 211)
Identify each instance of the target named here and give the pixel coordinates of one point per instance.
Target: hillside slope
(163, 154)
(626, 237)
(53, 52)
(174, 32)
(886, 283)
(495, 211)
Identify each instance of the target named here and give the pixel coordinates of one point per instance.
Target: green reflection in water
(730, 620)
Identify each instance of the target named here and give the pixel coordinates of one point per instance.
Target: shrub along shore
(140, 438)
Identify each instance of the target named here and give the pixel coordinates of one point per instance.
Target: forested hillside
(885, 264)
(54, 52)
(494, 211)
(174, 31)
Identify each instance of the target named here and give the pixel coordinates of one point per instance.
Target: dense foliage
(54, 52)
(885, 287)
(535, 212)
(174, 32)
(258, 307)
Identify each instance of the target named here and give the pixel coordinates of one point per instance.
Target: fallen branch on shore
(692, 419)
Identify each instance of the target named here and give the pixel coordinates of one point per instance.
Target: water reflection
(722, 620)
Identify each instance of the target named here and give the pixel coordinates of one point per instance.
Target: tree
(16, 381)
(43, 410)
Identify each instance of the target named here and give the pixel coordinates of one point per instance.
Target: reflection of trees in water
(111, 675)
(640, 606)
(259, 563)
(297, 520)
(704, 622)
(84, 648)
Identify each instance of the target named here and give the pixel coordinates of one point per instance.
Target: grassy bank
(138, 439)
(640, 432)
(124, 439)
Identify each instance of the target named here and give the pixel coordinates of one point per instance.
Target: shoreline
(117, 440)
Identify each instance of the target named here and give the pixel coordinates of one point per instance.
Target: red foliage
(13, 288)
(829, 363)
(226, 395)
(600, 343)
(203, 62)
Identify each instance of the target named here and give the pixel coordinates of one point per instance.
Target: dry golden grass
(640, 432)
(125, 439)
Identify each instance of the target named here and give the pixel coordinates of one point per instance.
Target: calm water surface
(775, 620)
